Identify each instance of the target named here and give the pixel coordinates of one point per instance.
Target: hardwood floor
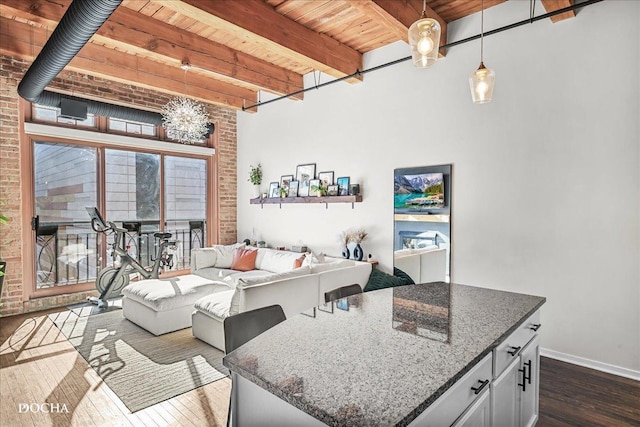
(38, 365)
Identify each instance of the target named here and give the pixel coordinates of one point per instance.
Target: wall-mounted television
(418, 192)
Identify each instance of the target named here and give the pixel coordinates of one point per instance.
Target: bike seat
(162, 235)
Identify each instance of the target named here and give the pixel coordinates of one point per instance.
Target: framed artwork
(273, 190)
(285, 180)
(343, 186)
(293, 189)
(304, 174)
(332, 190)
(326, 178)
(314, 191)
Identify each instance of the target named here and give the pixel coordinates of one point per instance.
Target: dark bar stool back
(342, 292)
(242, 327)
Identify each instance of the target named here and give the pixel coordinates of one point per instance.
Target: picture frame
(273, 190)
(304, 174)
(293, 189)
(343, 186)
(326, 178)
(332, 190)
(285, 180)
(314, 183)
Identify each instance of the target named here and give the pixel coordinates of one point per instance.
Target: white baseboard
(593, 364)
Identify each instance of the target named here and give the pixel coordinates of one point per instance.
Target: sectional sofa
(226, 280)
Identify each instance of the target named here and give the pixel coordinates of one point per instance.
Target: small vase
(358, 254)
(256, 191)
(345, 252)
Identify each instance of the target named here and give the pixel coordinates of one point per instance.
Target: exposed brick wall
(11, 72)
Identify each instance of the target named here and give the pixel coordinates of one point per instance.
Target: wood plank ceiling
(235, 47)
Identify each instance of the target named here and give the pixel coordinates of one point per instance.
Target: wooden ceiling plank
(553, 5)
(398, 16)
(25, 41)
(159, 39)
(258, 23)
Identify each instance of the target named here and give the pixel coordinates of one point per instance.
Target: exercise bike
(112, 279)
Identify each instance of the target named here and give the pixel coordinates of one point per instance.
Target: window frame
(73, 135)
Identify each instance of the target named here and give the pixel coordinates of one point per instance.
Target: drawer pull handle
(528, 376)
(514, 350)
(535, 327)
(477, 390)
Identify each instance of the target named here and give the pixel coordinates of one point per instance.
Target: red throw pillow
(244, 259)
(298, 262)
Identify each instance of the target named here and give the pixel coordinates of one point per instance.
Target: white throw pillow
(224, 254)
(204, 258)
(276, 261)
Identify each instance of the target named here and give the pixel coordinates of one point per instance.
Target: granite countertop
(387, 357)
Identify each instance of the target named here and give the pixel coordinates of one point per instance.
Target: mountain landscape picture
(420, 192)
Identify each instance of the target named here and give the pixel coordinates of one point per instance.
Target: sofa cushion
(333, 265)
(298, 262)
(254, 280)
(215, 305)
(214, 273)
(232, 279)
(276, 261)
(175, 292)
(244, 259)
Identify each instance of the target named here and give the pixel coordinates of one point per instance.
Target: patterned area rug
(141, 368)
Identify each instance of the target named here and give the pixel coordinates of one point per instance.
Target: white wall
(559, 146)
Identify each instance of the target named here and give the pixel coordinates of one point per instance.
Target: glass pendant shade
(424, 40)
(481, 84)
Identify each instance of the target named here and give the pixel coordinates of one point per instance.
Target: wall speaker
(72, 109)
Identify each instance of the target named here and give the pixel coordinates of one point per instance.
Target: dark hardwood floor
(572, 395)
(38, 364)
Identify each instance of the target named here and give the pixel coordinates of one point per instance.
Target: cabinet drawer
(446, 410)
(511, 347)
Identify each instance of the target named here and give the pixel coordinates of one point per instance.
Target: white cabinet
(479, 414)
(515, 391)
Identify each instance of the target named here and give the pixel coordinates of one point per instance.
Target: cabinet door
(530, 363)
(479, 414)
(505, 400)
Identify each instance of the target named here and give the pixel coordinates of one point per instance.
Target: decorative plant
(321, 189)
(359, 236)
(255, 174)
(282, 191)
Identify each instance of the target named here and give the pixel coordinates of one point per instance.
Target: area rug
(141, 368)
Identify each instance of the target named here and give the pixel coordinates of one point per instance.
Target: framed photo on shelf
(326, 178)
(343, 186)
(293, 189)
(273, 190)
(314, 183)
(304, 174)
(285, 180)
(332, 190)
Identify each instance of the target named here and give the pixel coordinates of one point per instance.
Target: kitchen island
(427, 354)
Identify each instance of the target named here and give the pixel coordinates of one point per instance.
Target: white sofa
(274, 281)
(422, 265)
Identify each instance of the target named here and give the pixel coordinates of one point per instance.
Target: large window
(141, 191)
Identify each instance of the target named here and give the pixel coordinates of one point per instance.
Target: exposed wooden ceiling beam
(553, 5)
(398, 16)
(260, 24)
(133, 32)
(25, 41)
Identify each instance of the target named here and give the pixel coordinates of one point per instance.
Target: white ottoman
(165, 305)
(208, 318)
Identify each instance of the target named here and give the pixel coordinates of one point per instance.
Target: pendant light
(424, 40)
(481, 81)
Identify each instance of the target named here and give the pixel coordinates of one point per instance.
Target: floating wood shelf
(313, 199)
